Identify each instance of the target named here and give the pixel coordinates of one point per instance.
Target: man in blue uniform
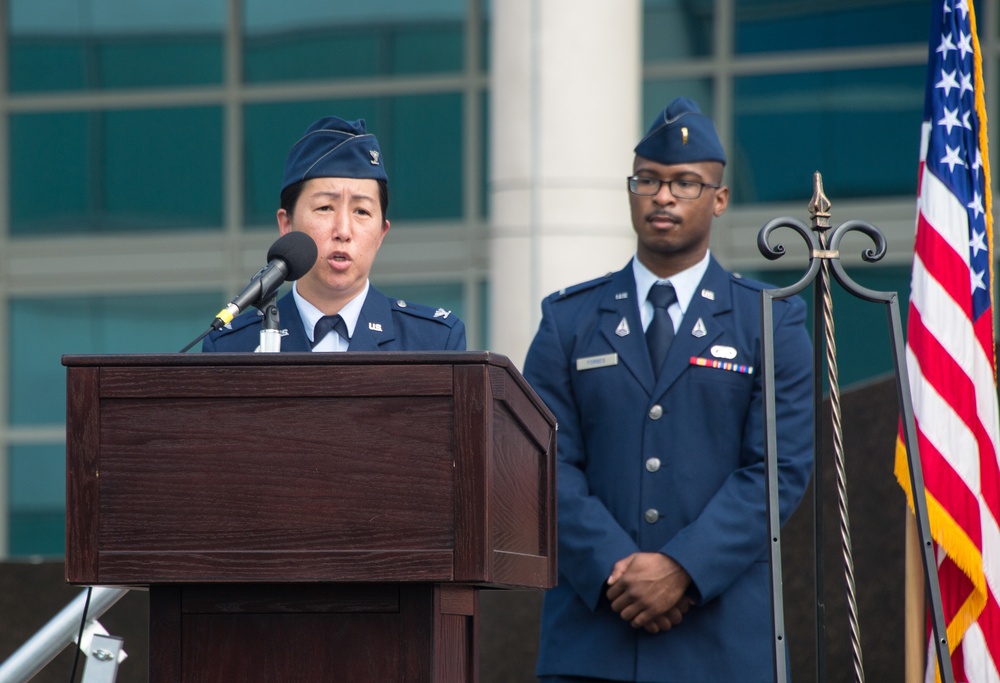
(335, 189)
(653, 374)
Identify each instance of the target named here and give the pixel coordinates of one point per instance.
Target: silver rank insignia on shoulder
(621, 295)
(699, 329)
(441, 313)
(375, 327)
(708, 294)
(622, 330)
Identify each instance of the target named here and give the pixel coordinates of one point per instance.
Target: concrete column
(564, 117)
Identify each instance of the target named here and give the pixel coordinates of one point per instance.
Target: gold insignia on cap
(684, 135)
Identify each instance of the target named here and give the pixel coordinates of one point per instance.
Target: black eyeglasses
(682, 189)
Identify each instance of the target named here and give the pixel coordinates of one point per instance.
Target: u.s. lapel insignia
(375, 327)
(699, 329)
(708, 294)
(622, 329)
(441, 313)
(621, 295)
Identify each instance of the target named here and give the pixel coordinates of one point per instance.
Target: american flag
(950, 345)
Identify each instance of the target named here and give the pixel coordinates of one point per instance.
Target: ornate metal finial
(819, 205)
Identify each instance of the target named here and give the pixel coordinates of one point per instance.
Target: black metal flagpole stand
(824, 256)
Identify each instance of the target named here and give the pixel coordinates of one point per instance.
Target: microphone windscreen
(298, 250)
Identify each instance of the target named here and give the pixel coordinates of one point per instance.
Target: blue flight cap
(681, 134)
(334, 148)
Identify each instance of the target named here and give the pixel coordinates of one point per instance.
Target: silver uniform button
(653, 464)
(652, 515)
(656, 412)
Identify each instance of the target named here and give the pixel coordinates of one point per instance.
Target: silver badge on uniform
(720, 351)
(708, 294)
(621, 295)
(441, 313)
(375, 327)
(622, 329)
(699, 329)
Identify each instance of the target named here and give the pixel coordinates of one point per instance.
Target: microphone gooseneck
(290, 257)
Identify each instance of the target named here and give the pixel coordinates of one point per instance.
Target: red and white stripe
(951, 369)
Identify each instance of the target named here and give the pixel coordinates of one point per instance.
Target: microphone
(290, 257)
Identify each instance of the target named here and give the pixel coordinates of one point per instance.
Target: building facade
(143, 144)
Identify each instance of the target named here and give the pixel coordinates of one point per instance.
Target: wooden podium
(309, 517)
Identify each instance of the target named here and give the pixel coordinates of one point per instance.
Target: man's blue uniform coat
(703, 503)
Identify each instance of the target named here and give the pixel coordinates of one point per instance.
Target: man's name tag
(591, 362)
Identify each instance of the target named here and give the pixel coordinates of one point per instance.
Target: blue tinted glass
(777, 25)
(431, 48)
(420, 137)
(51, 174)
(672, 29)
(37, 497)
(42, 330)
(426, 144)
(116, 171)
(315, 39)
(485, 331)
(66, 45)
(860, 129)
(37, 477)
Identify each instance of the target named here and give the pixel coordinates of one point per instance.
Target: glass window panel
(420, 137)
(37, 533)
(484, 157)
(315, 39)
(311, 54)
(116, 171)
(426, 144)
(860, 129)
(428, 49)
(68, 45)
(673, 29)
(37, 477)
(485, 331)
(37, 499)
(780, 25)
(42, 330)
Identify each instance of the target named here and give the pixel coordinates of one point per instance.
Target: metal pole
(824, 256)
(52, 638)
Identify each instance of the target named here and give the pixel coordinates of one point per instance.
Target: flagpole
(914, 629)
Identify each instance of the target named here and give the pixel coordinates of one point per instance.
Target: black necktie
(327, 323)
(660, 332)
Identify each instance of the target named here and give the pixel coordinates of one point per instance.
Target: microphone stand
(270, 334)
